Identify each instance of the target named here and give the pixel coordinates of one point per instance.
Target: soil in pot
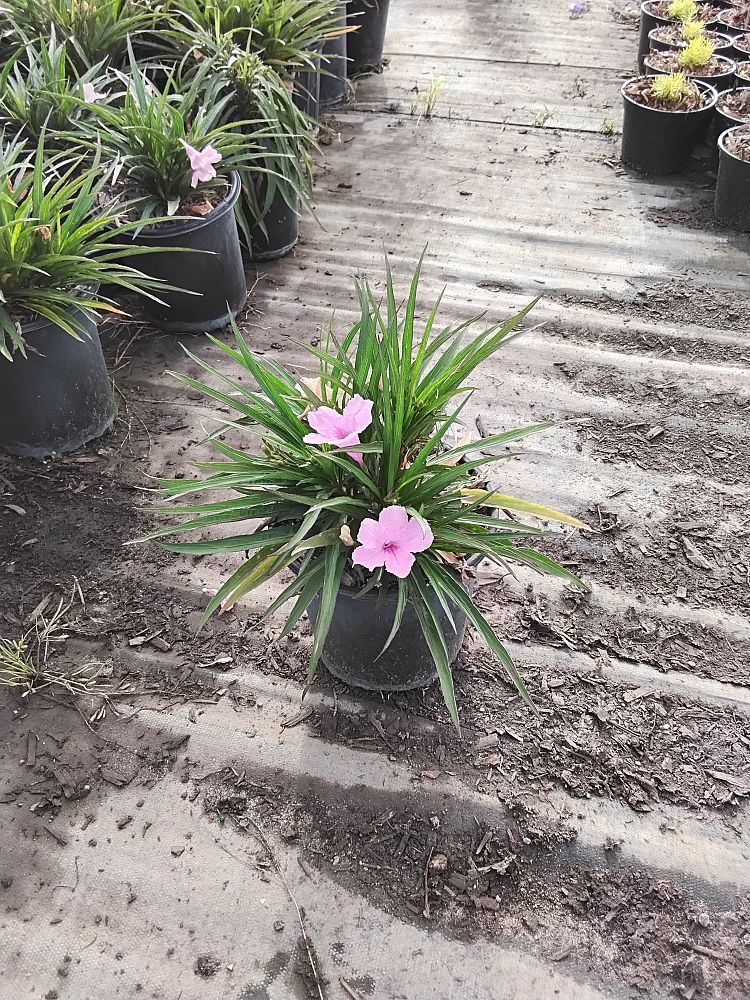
(333, 66)
(365, 45)
(213, 270)
(733, 108)
(280, 231)
(718, 71)
(734, 20)
(57, 398)
(732, 201)
(741, 44)
(669, 36)
(742, 70)
(659, 136)
(360, 629)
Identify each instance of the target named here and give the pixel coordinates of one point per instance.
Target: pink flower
(391, 541)
(201, 163)
(90, 94)
(340, 429)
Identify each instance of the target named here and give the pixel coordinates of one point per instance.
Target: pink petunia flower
(201, 162)
(340, 429)
(391, 541)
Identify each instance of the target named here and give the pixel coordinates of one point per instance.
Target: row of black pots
(661, 142)
(344, 56)
(651, 20)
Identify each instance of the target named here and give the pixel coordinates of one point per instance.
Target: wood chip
(653, 433)
(742, 785)
(694, 555)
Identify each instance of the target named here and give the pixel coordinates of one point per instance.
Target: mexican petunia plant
(357, 478)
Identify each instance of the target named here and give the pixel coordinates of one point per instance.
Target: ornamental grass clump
(57, 246)
(671, 88)
(171, 145)
(692, 30)
(353, 477)
(697, 53)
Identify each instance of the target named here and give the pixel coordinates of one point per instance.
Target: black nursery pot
(719, 81)
(282, 229)
(333, 66)
(217, 275)
(660, 142)
(359, 630)
(365, 45)
(732, 200)
(307, 87)
(724, 120)
(57, 398)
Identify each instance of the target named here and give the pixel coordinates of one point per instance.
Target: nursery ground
(158, 841)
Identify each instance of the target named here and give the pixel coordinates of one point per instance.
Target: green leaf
(433, 633)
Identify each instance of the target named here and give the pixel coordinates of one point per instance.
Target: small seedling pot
(741, 48)
(724, 23)
(281, 224)
(214, 273)
(724, 120)
(742, 73)
(307, 87)
(360, 628)
(333, 69)
(732, 200)
(724, 48)
(58, 397)
(660, 142)
(719, 81)
(365, 45)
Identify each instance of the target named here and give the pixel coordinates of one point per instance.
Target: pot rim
(727, 114)
(727, 38)
(661, 111)
(723, 146)
(714, 76)
(168, 230)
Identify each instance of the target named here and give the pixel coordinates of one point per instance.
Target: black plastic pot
(57, 398)
(660, 142)
(307, 87)
(724, 48)
(359, 630)
(281, 229)
(725, 120)
(217, 275)
(732, 200)
(333, 67)
(719, 81)
(365, 45)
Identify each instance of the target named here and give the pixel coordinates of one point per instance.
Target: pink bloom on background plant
(201, 163)
(391, 541)
(90, 94)
(340, 429)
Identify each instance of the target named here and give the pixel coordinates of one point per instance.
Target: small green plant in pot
(56, 249)
(697, 60)
(363, 497)
(664, 117)
(177, 171)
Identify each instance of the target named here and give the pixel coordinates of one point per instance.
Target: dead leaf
(16, 509)
(694, 555)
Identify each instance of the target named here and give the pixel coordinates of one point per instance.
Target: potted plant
(742, 70)
(357, 495)
(333, 80)
(365, 46)
(56, 248)
(733, 108)
(664, 117)
(735, 20)
(732, 201)
(677, 35)
(741, 45)
(657, 13)
(177, 172)
(41, 91)
(697, 61)
(97, 30)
